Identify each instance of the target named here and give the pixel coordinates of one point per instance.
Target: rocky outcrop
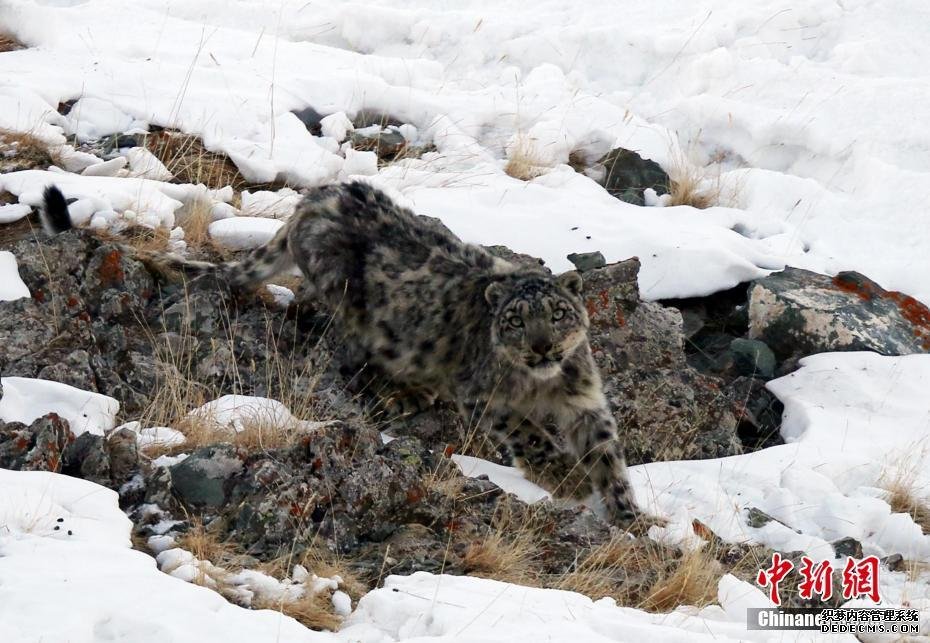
(665, 409)
(797, 312)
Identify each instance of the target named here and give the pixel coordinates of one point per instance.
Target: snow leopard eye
(558, 314)
(515, 321)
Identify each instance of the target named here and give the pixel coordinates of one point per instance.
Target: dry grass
(206, 544)
(181, 389)
(505, 557)
(190, 162)
(9, 43)
(23, 151)
(315, 611)
(643, 574)
(904, 496)
(523, 161)
(195, 220)
(693, 185)
(220, 559)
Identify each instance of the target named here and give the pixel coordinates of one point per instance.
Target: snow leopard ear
(571, 281)
(494, 293)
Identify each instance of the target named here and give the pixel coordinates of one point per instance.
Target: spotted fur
(507, 344)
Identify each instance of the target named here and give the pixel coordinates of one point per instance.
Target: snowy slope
(816, 114)
(68, 574)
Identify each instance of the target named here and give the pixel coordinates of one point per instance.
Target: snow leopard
(507, 344)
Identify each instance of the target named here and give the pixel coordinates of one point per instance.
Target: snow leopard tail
(54, 212)
(261, 264)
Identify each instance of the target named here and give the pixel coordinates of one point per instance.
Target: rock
(388, 144)
(201, 479)
(368, 117)
(798, 312)
(16, 440)
(37, 447)
(847, 547)
(116, 142)
(587, 260)
(758, 413)
(756, 518)
(311, 119)
(87, 458)
(122, 448)
(752, 357)
(656, 397)
(894, 562)
(627, 175)
(518, 258)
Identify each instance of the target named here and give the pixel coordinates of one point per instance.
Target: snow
(812, 119)
(442, 609)
(237, 412)
(814, 116)
(243, 233)
(83, 581)
(11, 284)
(26, 399)
(853, 423)
(13, 212)
(510, 479)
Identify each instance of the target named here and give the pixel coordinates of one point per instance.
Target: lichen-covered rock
(37, 447)
(665, 409)
(797, 312)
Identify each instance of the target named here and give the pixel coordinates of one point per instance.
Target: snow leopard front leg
(592, 435)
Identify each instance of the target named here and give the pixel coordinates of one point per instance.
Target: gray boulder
(626, 175)
(665, 409)
(797, 312)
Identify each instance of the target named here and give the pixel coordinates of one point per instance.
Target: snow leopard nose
(542, 347)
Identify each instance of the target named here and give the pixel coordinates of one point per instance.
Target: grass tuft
(190, 162)
(904, 497)
(508, 558)
(523, 161)
(9, 43)
(23, 151)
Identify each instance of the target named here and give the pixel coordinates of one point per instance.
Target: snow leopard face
(538, 321)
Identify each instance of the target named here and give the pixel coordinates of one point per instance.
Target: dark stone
(753, 358)
(847, 547)
(798, 312)
(894, 563)
(587, 260)
(758, 413)
(311, 119)
(118, 141)
(123, 453)
(388, 144)
(202, 478)
(87, 458)
(756, 518)
(627, 175)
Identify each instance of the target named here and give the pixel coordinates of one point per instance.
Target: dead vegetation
(181, 389)
(904, 494)
(221, 559)
(693, 185)
(523, 161)
(23, 151)
(9, 42)
(189, 161)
